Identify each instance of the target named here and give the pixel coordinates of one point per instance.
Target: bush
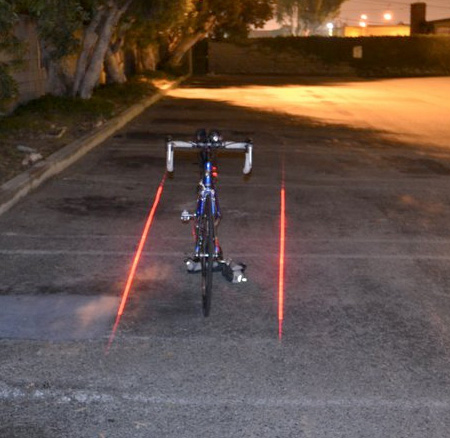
(8, 87)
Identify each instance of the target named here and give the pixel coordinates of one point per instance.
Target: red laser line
(281, 260)
(136, 260)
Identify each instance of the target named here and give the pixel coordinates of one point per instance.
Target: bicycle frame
(207, 189)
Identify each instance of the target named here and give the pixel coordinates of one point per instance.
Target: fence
(365, 56)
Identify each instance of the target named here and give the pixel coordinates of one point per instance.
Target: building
(375, 30)
(440, 27)
(420, 25)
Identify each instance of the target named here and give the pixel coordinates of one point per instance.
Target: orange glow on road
(136, 260)
(381, 105)
(281, 260)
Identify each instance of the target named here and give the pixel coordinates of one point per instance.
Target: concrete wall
(251, 58)
(334, 56)
(31, 75)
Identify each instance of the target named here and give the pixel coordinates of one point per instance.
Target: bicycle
(207, 256)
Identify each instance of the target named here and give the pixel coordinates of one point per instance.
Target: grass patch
(107, 101)
(37, 115)
(37, 123)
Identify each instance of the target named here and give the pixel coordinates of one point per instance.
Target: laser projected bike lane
(341, 330)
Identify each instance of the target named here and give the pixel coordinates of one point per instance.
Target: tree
(79, 38)
(96, 41)
(148, 26)
(215, 17)
(304, 17)
(74, 32)
(10, 49)
(58, 24)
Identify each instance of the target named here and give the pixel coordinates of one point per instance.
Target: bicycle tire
(207, 258)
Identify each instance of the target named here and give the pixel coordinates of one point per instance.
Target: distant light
(363, 24)
(330, 27)
(387, 16)
(364, 17)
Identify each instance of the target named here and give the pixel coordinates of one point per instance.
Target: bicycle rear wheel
(207, 257)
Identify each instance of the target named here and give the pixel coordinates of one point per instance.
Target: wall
(32, 79)
(31, 76)
(440, 27)
(255, 58)
(323, 56)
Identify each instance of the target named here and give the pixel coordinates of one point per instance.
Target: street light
(330, 27)
(387, 16)
(363, 22)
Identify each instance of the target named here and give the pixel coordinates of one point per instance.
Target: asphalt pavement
(364, 344)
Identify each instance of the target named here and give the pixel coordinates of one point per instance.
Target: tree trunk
(58, 82)
(114, 70)
(95, 66)
(147, 58)
(187, 42)
(89, 39)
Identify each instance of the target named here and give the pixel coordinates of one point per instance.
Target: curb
(15, 189)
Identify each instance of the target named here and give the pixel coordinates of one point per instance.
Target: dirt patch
(137, 161)
(186, 121)
(418, 166)
(14, 430)
(11, 159)
(140, 135)
(99, 287)
(412, 214)
(238, 135)
(94, 205)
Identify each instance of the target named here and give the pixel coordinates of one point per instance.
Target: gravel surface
(364, 348)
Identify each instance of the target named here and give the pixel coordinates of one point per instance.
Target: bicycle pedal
(234, 272)
(186, 216)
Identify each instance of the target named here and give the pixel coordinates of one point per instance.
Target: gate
(200, 64)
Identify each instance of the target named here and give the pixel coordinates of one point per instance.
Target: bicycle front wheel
(207, 257)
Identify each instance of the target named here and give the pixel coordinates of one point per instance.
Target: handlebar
(246, 146)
